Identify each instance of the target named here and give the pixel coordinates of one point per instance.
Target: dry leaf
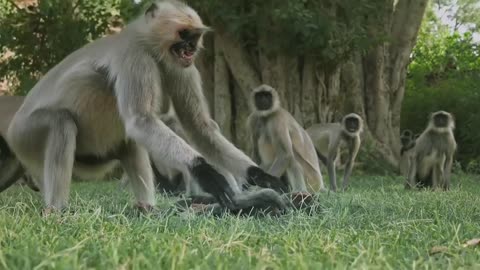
(472, 243)
(438, 249)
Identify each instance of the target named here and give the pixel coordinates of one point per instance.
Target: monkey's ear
(150, 12)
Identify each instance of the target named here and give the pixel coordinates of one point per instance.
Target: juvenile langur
(280, 144)
(101, 102)
(328, 138)
(432, 157)
(408, 142)
(191, 187)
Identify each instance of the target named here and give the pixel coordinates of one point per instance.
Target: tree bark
(371, 84)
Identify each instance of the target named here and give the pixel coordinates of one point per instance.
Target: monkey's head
(174, 31)
(265, 99)
(406, 137)
(442, 121)
(352, 124)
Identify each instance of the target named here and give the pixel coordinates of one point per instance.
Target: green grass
(375, 225)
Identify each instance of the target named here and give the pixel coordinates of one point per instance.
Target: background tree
(325, 57)
(444, 75)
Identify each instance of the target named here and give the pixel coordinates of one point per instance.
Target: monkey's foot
(49, 210)
(144, 208)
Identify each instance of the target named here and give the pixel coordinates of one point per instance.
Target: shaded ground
(374, 227)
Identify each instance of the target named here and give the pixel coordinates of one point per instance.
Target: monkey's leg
(438, 176)
(412, 173)
(59, 158)
(332, 175)
(136, 163)
(296, 178)
(447, 173)
(348, 172)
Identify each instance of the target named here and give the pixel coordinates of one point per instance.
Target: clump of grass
(374, 225)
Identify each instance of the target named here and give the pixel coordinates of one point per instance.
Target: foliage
(444, 75)
(376, 224)
(327, 29)
(40, 36)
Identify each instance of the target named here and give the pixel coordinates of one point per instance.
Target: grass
(375, 225)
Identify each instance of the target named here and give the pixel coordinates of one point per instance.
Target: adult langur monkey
(408, 142)
(432, 158)
(101, 101)
(327, 139)
(10, 168)
(281, 144)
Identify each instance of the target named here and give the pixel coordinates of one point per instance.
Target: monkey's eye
(184, 34)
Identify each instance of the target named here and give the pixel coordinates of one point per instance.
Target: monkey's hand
(213, 182)
(258, 177)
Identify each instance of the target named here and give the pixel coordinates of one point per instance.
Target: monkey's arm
(412, 172)
(448, 171)
(333, 147)
(284, 151)
(187, 97)
(353, 148)
(254, 136)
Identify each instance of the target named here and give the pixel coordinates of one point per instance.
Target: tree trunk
(370, 84)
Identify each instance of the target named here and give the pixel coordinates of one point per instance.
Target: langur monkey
(433, 152)
(408, 142)
(280, 144)
(101, 102)
(327, 139)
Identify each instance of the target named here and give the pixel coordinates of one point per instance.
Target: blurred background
(392, 62)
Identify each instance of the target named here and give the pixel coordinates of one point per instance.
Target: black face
(405, 140)
(352, 124)
(407, 133)
(186, 48)
(440, 120)
(263, 100)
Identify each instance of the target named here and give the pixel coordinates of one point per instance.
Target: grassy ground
(375, 225)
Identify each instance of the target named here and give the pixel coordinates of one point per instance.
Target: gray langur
(100, 103)
(327, 139)
(433, 152)
(10, 168)
(407, 141)
(280, 144)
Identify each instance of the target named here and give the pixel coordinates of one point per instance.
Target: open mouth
(184, 52)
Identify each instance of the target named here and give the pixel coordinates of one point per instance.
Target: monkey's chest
(266, 149)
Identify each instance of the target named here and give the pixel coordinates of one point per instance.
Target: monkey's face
(405, 140)
(352, 124)
(176, 31)
(263, 100)
(441, 120)
(185, 50)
